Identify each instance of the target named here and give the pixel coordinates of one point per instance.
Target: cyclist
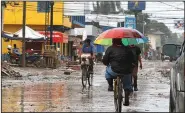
(88, 47)
(119, 60)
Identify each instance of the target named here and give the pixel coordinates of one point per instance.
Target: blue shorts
(127, 78)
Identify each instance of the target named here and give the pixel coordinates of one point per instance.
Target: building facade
(37, 18)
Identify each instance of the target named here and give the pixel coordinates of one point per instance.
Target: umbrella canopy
(125, 41)
(29, 34)
(129, 36)
(120, 32)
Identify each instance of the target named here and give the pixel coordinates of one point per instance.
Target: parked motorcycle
(14, 59)
(34, 59)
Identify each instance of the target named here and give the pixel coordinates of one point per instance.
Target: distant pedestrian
(145, 55)
(137, 54)
(16, 50)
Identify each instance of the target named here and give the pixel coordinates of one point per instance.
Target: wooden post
(23, 35)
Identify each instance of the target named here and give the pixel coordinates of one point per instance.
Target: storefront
(74, 43)
(60, 40)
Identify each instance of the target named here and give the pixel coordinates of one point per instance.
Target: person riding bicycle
(88, 47)
(119, 60)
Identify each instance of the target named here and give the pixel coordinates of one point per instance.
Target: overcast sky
(160, 11)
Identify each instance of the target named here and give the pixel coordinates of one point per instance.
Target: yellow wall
(13, 29)
(5, 45)
(13, 15)
(34, 19)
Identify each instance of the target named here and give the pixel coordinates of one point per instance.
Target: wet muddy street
(49, 90)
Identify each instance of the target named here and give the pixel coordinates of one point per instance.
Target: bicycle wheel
(120, 96)
(116, 95)
(90, 78)
(84, 76)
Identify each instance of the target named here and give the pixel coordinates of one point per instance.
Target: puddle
(30, 98)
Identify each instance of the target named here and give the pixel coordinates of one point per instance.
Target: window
(43, 6)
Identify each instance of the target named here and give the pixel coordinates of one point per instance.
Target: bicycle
(118, 93)
(86, 75)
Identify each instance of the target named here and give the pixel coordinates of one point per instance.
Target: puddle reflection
(32, 98)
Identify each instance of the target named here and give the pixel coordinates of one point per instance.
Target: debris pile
(7, 71)
(74, 65)
(71, 66)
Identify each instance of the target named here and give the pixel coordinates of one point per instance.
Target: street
(47, 90)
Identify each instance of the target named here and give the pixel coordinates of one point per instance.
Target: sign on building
(130, 22)
(179, 24)
(136, 5)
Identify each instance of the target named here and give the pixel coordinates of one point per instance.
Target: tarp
(29, 34)
(57, 36)
(6, 35)
(9, 36)
(100, 49)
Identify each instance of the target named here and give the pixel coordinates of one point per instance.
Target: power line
(62, 9)
(75, 11)
(33, 6)
(171, 5)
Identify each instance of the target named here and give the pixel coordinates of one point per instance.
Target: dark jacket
(136, 51)
(119, 58)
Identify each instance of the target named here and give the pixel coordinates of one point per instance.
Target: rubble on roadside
(67, 68)
(7, 71)
(71, 66)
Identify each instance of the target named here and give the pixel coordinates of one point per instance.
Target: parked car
(170, 54)
(165, 57)
(177, 84)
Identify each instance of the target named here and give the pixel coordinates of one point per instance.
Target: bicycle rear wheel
(120, 94)
(84, 76)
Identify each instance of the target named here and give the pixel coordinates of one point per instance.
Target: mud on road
(47, 90)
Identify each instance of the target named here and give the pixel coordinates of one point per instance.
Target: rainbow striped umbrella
(125, 41)
(129, 36)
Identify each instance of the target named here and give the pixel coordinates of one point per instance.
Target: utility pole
(51, 23)
(143, 25)
(136, 13)
(23, 35)
(143, 34)
(46, 22)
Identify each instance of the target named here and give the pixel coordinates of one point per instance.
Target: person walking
(137, 55)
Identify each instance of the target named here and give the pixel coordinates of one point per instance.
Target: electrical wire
(65, 9)
(30, 8)
(55, 9)
(171, 5)
(82, 3)
(112, 17)
(91, 5)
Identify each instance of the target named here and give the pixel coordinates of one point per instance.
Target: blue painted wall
(104, 28)
(79, 20)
